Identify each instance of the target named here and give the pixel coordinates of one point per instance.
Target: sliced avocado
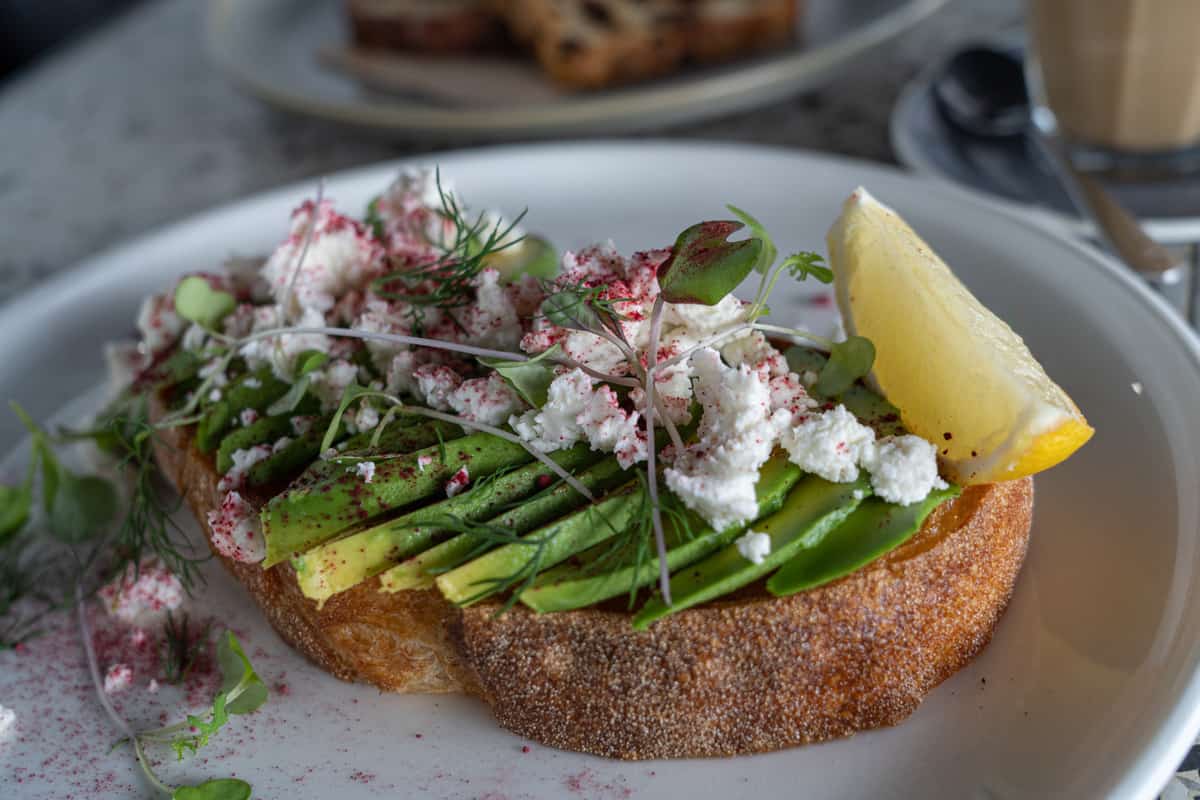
(811, 510)
(263, 430)
(868, 406)
(876, 527)
(581, 584)
(339, 565)
(257, 391)
(332, 496)
(533, 255)
(418, 571)
(544, 547)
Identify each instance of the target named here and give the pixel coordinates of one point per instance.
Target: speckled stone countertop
(133, 128)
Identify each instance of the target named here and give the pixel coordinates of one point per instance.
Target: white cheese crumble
(754, 546)
(118, 678)
(243, 460)
(158, 323)
(574, 412)
(366, 418)
(832, 444)
(488, 400)
(248, 417)
(237, 531)
(366, 471)
(435, 383)
(423, 461)
(329, 383)
(715, 477)
(8, 723)
(325, 255)
(458, 482)
(142, 595)
(903, 469)
(252, 383)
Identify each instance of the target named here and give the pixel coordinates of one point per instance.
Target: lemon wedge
(960, 376)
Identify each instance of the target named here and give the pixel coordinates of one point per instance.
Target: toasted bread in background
(586, 44)
(433, 26)
(748, 673)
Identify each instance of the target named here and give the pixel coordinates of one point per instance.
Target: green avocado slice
(344, 563)
(813, 508)
(418, 571)
(576, 585)
(332, 496)
(876, 527)
(521, 560)
(257, 391)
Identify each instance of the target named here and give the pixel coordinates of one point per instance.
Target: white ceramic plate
(1089, 689)
(272, 48)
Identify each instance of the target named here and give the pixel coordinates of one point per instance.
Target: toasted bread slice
(748, 673)
(593, 44)
(431, 26)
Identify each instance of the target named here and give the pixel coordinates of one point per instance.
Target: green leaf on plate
(531, 379)
(217, 789)
(197, 301)
(848, 361)
(83, 506)
(704, 266)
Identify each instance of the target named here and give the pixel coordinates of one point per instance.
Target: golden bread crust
(750, 673)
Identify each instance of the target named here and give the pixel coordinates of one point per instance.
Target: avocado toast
(600, 499)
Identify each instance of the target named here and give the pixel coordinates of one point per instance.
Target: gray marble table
(133, 128)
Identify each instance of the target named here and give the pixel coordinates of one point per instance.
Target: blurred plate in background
(293, 54)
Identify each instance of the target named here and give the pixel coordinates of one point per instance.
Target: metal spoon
(981, 90)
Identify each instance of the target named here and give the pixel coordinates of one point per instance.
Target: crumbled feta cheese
(488, 400)
(715, 477)
(252, 383)
(754, 546)
(283, 351)
(118, 678)
(124, 361)
(701, 319)
(366, 471)
(280, 443)
(435, 383)
(237, 531)
(325, 256)
(303, 424)
(366, 418)
(243, 460)
(331, 452)
(158, 323)
(214, 396)
(379, 316)
(573, 411)
(329, 383)
(143, 594)
(788, 393)
(458, 482)
(903, 469)
(492, 320)
(610, 429)
(248, 417)
(152, 687)
(757, 353)
(8, 722)
(831, 444)
(424, 461)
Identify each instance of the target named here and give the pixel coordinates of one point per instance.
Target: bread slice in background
(747, 673)
(431, 26)
(583, 44)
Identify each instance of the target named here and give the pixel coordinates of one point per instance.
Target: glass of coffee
(1119, 81)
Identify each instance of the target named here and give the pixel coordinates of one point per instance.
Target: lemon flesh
(960, 376)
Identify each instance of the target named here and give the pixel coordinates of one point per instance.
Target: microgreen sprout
(241, 692)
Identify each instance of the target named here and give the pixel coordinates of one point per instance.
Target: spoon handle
(1119, 229)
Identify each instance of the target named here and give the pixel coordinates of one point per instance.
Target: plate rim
(1146, 772)
(624, 110)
